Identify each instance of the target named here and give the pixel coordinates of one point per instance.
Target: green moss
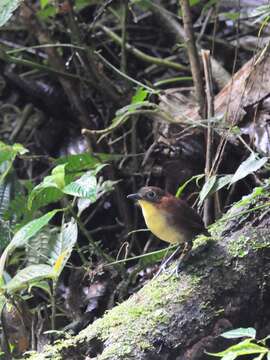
(201, 240)
(240, 246)
(130, 322)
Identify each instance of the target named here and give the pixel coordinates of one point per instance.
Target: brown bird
(168, 217)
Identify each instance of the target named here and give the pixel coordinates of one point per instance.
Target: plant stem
(141, 55)
(193, 56)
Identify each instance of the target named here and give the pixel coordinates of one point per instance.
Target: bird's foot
(186, 257)
(163, 266)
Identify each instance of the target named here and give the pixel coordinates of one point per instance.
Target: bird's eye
(151, 195)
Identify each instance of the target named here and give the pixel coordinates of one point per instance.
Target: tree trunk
(223, 285)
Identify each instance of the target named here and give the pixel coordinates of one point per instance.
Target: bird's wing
(189, 217)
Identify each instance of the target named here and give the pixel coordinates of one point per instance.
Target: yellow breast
(157, 223)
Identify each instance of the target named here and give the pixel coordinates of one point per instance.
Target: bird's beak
(134, 196)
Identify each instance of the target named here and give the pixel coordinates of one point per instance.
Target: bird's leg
(182, 258)
(164, 264)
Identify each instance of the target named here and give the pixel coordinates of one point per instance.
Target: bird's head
(149, 194)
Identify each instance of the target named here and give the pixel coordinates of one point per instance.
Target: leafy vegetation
(97, 100)
(248, 346)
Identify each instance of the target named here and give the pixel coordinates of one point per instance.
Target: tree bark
(225, 284)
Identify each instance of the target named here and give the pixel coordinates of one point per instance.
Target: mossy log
(226, 285)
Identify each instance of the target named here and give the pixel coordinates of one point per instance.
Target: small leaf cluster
(248, 346)
(74, 184)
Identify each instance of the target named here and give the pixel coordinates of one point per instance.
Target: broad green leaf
(250, 165)
(43, 3)
(24, 234)
(26, 276)
(39, 247)
(85, 161)
(207, 187)
(43, 195)
(63, 246)
(58, 175)
(87, 187)
(268, 355)
(139, 96)
(245, 347)
(8, 154)
(6, 9)
(49, 190)
(84, 187)
(238, 333)
(213, 185)
(82, 205)
(41, 284)
(229, 356)
(19, 149)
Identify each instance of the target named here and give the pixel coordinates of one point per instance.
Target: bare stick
(208, 210)
(193, 56)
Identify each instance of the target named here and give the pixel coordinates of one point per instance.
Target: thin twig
(193, 56)
(143, 56)
(124, 37)
(208, 213)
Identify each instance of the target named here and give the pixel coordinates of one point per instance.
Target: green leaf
(268, 355)
(63, 246)
(84, 187)
(39, 247)
(245, 347)
(82, 205)
(43, 195)
(140, 95)
(8, 151)
(41, 284)
(24, 234)
(250, 165)
(47, 12)
(27, 275)
(8, 154)
(85, 161)
(49, 190)
(207, 187)
(240, 332)
(58, 175)
(213, 185)
(44, 3)
(87, 187)
(229, 356)
(6, 9)
(182, 187)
